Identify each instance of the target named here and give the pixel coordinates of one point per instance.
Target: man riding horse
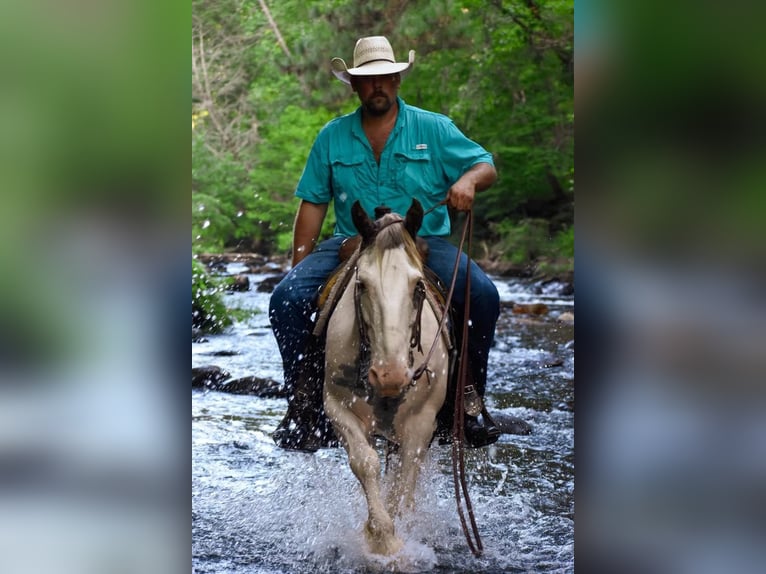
(385, 153)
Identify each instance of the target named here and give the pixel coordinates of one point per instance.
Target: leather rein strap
(458, 426)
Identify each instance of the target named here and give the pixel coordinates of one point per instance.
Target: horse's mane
(392, 235)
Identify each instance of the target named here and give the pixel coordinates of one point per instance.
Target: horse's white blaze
(389, 311)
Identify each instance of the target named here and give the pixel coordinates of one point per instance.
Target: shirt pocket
(345, 180)
(414, 174)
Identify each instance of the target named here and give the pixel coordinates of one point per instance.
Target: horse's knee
(364, 463)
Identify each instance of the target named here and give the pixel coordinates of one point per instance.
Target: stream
(258, 509)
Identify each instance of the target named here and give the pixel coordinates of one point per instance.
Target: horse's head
(388, 294)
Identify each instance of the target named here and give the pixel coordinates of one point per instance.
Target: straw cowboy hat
(373, 56)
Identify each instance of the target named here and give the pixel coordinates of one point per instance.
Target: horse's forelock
(393, 235)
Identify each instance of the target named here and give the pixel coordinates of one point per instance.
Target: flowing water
(259, 509)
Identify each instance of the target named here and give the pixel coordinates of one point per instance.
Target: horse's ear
(414, 218)
(362, 222)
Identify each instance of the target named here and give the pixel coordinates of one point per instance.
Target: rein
(458, 425)
(458, 428)
(458, 434)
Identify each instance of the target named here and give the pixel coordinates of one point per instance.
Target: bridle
(365, 356)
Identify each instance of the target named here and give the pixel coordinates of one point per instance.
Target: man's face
(376, 93)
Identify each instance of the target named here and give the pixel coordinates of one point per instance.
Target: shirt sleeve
(315, 182)
(458, 153)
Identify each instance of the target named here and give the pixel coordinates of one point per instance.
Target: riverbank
(541, 270)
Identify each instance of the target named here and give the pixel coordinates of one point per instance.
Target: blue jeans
(293, 304)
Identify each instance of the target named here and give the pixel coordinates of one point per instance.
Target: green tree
(262, 89)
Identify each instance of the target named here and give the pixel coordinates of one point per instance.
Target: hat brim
(379, 68)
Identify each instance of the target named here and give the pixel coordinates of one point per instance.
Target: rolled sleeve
(315, 183)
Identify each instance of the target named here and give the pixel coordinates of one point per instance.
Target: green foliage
(522, 242)
(501, 69)
(528, 243)
(209, 313)
(242, 315)
(563, 243)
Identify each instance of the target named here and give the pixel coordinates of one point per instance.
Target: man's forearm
(461, 195)
(483, 175)
(308, 224)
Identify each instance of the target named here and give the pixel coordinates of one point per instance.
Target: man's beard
(378, 104)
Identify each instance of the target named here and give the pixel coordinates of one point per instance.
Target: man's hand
(461, 195)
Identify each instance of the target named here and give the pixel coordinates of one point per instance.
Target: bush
(522, 242)
(209, 313)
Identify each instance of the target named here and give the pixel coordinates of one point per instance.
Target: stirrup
(472, 403)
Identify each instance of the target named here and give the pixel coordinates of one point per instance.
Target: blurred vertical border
(94, 283)
(671, 402)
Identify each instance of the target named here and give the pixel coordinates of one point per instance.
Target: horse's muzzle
(389, 382)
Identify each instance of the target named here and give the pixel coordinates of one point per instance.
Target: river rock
(239, 283)
(208, 376)
(551, 361)
(530, 308)
(567, 317)
(260, 387)
(509, 424)
(268, 284)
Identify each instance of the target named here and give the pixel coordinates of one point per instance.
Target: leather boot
(299, 429)
(478, 434)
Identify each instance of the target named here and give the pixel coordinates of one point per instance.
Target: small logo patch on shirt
(421, 146)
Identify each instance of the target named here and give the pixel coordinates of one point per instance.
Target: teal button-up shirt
(424, 155)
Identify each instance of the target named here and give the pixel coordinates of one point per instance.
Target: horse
(381, 330)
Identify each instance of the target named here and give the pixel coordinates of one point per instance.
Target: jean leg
(293, 304)
(485, 304)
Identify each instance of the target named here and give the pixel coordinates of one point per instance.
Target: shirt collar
(357, 130)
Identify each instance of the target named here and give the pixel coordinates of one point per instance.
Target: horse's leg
(365, 464)
(416, 435)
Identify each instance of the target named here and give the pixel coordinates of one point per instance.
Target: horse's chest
(384, 411)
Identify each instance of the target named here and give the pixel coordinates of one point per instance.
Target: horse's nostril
(373, 376)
